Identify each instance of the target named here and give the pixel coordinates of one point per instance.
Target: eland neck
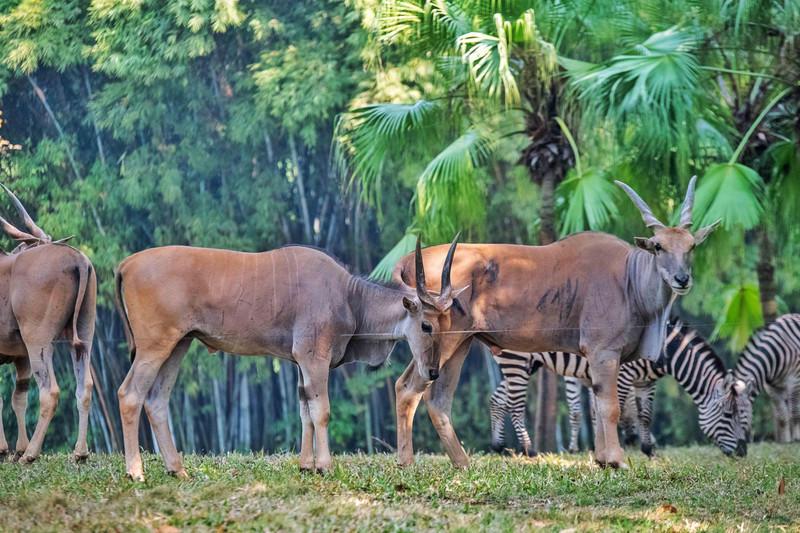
(378, 310)
(649, 294)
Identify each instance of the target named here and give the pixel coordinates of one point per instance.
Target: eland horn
(447, 287)
(688, 203)
(16, 234)
(649, 218)
(35, 230)
(422, 289)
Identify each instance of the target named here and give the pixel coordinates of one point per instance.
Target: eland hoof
(136, 477)
(80, 458)
(181, 474)
(26, 459)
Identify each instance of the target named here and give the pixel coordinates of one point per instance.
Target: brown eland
(590, 293)
(296, 303)
(48, 292)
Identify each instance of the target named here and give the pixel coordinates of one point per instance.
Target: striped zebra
(688, 358)
(771, 363)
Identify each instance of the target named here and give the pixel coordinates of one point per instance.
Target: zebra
(688, 357)
(771, 363)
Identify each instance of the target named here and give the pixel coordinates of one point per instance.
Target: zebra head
(724, 417)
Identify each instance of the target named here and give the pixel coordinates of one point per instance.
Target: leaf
(492, 63)
(450, 194)
(741, 316)
(730, 192)
(782, 486)
(651, 88)
(591, 202)
(384, 269)
(365, 136)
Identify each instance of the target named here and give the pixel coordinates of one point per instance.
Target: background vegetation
(354, 125)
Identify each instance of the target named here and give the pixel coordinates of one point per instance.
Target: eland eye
(658, 247)
(427, 327)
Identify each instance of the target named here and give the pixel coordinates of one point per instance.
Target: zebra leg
(498, 409)
(573, 389)
(795, 411)
(644, 405)
(628, 424)
(518, 420)
(780, 409)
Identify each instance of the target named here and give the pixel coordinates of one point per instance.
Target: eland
(296, 303)
(591, 294)
(48, 292)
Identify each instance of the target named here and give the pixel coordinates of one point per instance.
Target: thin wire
(466, 331)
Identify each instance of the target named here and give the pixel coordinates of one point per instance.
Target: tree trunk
(544, 439)
(766, 275)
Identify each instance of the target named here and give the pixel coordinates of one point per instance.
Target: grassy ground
(684, 489)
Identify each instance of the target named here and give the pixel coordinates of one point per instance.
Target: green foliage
(730, 192)
(740, 317)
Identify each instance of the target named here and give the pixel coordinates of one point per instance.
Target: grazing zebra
(688, 358)
(771, 363)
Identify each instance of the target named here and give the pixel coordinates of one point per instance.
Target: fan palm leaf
(365, 136)
(741, 315)
(450, 191)
(730, 192)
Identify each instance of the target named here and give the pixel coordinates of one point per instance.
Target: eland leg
(41, 361)
(19, 403)
(605, 371)
(132, 394)
(307, 438)
(315, 388)
(439, 399)
(83, 397)
(408, 392)
(156, 405)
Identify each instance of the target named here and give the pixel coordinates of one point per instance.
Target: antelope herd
(590, 294)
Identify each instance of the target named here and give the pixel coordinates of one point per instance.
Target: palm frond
(450, 192)
(590, 202)
(730, 192)
(741, 316)
(651, 88)
(783, 158)
(365, 136)
(490, 58)
(383, 270)
(431, 25)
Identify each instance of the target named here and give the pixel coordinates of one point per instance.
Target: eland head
(671, 246)
(429, 314)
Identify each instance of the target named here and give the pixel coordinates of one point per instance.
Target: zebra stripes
(771, 363)
(511, 393)
(688, 358)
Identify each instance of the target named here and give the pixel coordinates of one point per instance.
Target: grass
(683, 489)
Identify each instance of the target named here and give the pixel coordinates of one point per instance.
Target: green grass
(683, 489)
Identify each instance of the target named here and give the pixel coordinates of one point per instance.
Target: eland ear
(457, 292)
(703, 233)
(410, 305)
(645, 244)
